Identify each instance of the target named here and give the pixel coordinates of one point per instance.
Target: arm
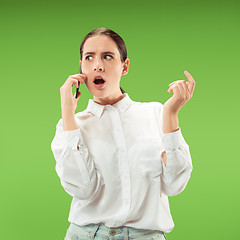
(177, 162)
(69, 122)
(170, 124)
(74, 165)
(177, 165)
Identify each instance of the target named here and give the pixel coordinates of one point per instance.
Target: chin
(99, 94)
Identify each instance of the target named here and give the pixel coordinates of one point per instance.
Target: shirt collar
(97, 109)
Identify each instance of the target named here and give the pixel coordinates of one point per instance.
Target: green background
(39, 49)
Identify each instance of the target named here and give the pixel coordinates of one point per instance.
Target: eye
(87, 57)
(109, 56)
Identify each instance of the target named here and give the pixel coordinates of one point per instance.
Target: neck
(108, 100)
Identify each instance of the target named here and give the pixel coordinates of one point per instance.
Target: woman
(119, 159)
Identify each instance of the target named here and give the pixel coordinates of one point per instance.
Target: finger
(73, 81)
(181, 89)
(80, 76)
(175, 89)
(79, 94)
(185, 89)
(174, 82)
(177, 82)
(191, 81)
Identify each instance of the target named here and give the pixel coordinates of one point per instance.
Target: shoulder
(148, 105)
(78, 117)
(81, 114)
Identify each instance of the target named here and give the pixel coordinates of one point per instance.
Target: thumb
(79, 94)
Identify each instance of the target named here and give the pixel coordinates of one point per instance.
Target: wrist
(170, 121)
(170, 111)
(68, 112)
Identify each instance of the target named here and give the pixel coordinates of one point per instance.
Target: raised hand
(68, 101)
(183, 92)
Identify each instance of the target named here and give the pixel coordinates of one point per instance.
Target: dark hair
(117, 39)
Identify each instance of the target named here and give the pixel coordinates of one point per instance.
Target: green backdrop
(39, 49)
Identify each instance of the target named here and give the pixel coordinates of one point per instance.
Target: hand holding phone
(68, 101)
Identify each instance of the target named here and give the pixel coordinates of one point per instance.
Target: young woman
(119, 159)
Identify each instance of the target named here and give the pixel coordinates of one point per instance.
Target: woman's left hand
(183, 92)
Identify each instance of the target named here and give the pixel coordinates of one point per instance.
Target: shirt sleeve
(74, 166)
(176, 174)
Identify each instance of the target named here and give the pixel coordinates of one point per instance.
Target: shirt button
(121, 149)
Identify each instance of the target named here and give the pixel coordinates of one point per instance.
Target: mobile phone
(77, 90)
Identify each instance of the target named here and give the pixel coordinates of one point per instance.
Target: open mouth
(99, 81)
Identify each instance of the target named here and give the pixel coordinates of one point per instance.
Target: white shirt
(112, 165)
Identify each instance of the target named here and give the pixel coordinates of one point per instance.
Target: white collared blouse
(112, 165)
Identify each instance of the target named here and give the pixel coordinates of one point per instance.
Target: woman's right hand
(68, 101)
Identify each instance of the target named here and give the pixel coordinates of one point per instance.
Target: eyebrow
(108, 52)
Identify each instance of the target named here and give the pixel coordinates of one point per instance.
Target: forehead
(100, 43)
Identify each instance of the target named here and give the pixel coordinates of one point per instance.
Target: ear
(125, 67)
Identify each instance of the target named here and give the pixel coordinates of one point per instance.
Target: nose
(100, 69)
(98, 66)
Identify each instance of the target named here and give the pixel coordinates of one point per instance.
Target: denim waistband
(103, 230)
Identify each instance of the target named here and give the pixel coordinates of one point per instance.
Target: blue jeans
(101, 232)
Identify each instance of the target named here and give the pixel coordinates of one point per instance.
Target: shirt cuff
(173, 140)
(72, 138)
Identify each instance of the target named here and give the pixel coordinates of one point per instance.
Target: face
(104, 60)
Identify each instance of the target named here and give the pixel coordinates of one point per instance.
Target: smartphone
(77, 90)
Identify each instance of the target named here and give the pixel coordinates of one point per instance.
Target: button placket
(123, 162)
